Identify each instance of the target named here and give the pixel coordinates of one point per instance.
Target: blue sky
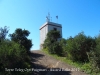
(74, 15)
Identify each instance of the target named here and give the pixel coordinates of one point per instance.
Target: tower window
(55, 29)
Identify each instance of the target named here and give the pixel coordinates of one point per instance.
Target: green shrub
(78, 47)
(86, 67)
(63, 44)
(13, 56)
(20, 36)
(3, 32)
(52, 42)
(94, 59)
(94, 56)
(55, 48)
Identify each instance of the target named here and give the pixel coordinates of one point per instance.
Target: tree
(53, 35)
(63, 44)
(3, 32)
(52, 43)
(13, 56)
(20, 36)
(78, 47)
(94, 56)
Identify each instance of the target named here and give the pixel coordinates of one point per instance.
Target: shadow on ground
(35, 56)
(45, 70)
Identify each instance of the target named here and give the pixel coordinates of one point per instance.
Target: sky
(74, 15)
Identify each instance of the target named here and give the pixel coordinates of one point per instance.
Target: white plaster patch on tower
(45, 28)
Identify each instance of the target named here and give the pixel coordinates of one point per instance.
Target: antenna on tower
(48, 17)
(51, 18)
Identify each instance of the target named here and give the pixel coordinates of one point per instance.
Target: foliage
(3, 32)
(94, 56)
(86, 67)
(53, 35)
(20, 36)
(55, 48)
(78, 47)
(63, 44)
(13, 56)
(52, 43)
(81, 50)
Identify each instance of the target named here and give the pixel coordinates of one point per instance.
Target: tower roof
(51, 23)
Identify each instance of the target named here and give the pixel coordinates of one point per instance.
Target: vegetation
(78, 47)
(13, 55)
(94, 56)
(81, 50)
(52, 44)
(3, 32)
(20, 36)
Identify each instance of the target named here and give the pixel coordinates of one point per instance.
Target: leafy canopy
(21, 36)
(3, 32)
(52, 43)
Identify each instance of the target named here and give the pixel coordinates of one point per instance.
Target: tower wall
(50, 27)
(43, 33)
(45, 28)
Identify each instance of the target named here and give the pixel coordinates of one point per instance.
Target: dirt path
(50, 66)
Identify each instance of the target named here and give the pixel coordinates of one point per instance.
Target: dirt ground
(47, 65)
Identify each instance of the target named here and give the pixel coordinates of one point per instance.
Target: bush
(13, 56)
(78, 47)
(94, 56)
(20, 36)
(63, 44)
(86, 67)
(3, 32)
(52, 42)
(55, 48)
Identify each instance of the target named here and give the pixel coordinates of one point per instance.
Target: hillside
(44, 62)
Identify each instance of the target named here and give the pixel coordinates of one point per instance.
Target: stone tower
(46, 27)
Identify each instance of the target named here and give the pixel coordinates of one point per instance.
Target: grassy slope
(83, 67)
